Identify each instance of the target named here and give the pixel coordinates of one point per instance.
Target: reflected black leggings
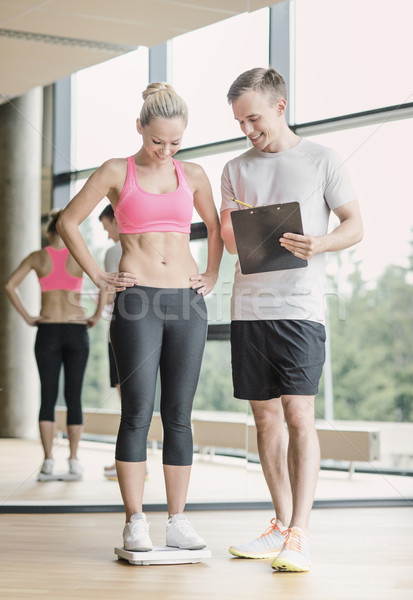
(155, 328)
(60, 344)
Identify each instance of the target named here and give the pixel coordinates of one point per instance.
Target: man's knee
(299, 413)
(268, 414)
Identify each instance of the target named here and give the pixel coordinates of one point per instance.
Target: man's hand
(302, 246)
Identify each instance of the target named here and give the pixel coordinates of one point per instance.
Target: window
(106, 101)
(351, 56)
(371, 284)
(205, 63)
(378, 158)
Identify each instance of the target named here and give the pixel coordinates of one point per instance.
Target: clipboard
(257, 232)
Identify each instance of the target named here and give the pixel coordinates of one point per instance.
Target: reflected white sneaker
(47, 466)
(295, 553)
(111, 474)
(268, 545)
(181, 534)
(136, 534)
(75, 468)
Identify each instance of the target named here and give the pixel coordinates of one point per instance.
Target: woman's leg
(75, 355)
(49, 360)
(136, 337)
(47, 432)
(182, 351)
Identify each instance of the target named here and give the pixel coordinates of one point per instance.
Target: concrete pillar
(20, 199)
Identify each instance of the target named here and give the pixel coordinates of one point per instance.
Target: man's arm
(227, 232)
(346, 234)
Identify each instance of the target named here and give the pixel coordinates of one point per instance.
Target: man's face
(259, 118)
(111, 227)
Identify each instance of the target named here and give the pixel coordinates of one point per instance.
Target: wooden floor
(357, 554)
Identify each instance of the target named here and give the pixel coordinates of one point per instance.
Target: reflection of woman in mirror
(62, 338)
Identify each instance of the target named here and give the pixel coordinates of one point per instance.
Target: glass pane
(382, 180)
(106, 101)
(371, 316)
(205, 63)
(214, 392)
(219, 301)
(213, 166)
(351, 56)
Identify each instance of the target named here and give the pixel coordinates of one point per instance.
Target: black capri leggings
(155, 328)
(60, 344)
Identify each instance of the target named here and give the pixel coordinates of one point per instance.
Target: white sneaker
(181, 534)
(268, 545)
(295, 553)
(111, 474)
(136, 534)
(47, 466)
(75, 468)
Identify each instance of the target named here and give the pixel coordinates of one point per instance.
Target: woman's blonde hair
(161, 100)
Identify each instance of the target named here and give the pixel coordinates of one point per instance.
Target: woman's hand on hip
(116, 282)
(203, 283)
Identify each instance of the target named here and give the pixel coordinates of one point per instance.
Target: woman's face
(162, 138)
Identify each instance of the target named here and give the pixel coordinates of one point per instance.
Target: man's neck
(285, 141)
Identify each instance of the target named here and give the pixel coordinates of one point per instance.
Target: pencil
(243, 203)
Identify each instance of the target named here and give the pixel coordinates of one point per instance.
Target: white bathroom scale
(59, 476)
(163, 555)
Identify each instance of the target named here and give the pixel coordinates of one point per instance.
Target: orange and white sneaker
(295, 553)
(268, 545)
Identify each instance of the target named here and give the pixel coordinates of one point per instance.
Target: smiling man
(277, 320)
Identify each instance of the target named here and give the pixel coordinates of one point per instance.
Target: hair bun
(153, 88)
(55, 213)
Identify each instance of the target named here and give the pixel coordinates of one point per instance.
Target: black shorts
(113, 372)
(275, 358)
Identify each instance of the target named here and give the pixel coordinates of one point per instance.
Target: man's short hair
(267, 81)
(107, 212)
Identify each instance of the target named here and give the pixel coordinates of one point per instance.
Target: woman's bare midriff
(160, 260)
(62, 306)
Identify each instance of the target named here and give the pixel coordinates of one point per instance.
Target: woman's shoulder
(111, 176)
(193, 171)
(114, 166)
(39, 260)
(38, 256)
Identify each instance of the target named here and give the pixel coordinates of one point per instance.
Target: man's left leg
(303, 466)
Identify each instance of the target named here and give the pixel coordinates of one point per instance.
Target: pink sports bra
(139, 211)
(59, 278)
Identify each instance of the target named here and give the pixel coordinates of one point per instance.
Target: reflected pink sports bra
(59, 278)
(139, 211)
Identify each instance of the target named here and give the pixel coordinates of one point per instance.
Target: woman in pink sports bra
(61, 339)
(159, 320)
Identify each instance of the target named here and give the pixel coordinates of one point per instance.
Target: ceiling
(42, 41)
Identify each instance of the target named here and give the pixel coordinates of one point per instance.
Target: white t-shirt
(112, 258)
(312, 175)
(111, 263)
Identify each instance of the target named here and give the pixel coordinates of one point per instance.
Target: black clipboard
(257, 233)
